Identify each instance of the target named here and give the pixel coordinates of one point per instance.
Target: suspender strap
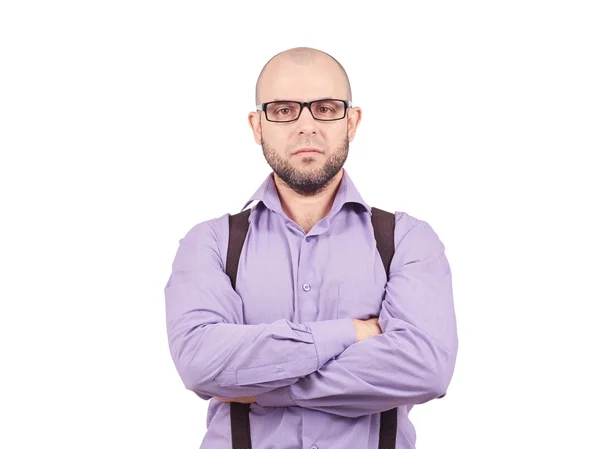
(239, 413)
(238, 228)
(240, 425)
(383, 227)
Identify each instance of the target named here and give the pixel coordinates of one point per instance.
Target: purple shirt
(285, 335)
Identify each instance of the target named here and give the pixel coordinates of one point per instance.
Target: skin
(306, 185)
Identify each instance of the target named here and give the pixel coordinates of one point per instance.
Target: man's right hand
(366, 328)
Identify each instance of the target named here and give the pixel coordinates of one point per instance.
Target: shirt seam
(216, 239)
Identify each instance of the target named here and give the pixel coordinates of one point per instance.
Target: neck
(307, 210)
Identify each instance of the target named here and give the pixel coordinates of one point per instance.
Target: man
(314, 337)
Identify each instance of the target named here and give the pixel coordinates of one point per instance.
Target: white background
(124, 123)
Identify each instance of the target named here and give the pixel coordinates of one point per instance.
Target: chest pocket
(358, 299)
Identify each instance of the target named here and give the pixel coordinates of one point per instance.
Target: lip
(305, 151)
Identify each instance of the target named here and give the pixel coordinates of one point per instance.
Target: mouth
(307, 152)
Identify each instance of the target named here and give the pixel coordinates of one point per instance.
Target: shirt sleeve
(411, 362)
(216, 354)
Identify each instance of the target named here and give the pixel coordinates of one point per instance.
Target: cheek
(278, 142)
(336, 140)
(337, 134)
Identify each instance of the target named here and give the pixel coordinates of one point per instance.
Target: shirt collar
(347, 193)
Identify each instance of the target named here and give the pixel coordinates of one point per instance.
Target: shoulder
(211, 234)
(208, 229)
(415, 238)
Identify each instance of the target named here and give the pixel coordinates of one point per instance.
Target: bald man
(311, 320)
(306, 155)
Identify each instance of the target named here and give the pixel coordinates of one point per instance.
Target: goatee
(308, 181)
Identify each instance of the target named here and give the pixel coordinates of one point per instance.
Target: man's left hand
(243, 399)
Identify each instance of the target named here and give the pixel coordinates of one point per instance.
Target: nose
(306, 123)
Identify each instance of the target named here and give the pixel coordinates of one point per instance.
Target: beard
(309, 180)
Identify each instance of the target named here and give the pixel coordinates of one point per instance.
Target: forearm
(395, 368)
(231, 360)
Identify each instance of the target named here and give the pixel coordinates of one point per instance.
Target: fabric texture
(291, 343)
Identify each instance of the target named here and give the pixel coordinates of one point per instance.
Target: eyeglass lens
(283, 111)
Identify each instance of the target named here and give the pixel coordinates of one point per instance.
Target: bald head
(307, 61)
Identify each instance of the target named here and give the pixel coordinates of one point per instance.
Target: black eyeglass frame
(308, 104)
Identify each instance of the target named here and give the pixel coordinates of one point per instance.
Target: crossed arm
(315, 365)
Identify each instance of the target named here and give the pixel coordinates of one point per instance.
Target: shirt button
(307, 239)
(314, 447)
(306, 287)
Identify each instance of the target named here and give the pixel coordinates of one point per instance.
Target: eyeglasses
(325, 110)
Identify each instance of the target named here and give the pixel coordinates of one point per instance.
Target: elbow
(186, 356)
(438, 388)
(193, 383)
(441, 374)
(433, 387)
(189, 377)
(194, 374)
(202, 371)
(432, 373)
(195, 378)
(187, 372)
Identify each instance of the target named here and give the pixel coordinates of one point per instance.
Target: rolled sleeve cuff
(280, 397)
(331, 338)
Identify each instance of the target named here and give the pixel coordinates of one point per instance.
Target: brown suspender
(383, 226)
(240, 413)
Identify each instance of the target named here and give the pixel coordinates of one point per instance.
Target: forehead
(303, 83)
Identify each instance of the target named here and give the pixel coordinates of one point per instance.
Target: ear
(354, 117)
(254, 122)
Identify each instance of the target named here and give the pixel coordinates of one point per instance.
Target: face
(306, 173)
